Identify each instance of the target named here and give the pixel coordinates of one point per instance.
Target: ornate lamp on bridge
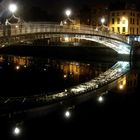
(68, 13)
(68, 20)
(102, 21)
(12, 8)
(12, 23)
(103, 27)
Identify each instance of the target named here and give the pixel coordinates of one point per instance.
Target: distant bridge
(15, 33)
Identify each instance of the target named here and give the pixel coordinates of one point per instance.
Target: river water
(22, 76)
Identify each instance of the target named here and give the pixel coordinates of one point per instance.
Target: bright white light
(13, 8)
(17, 67)
(100, 99)
(68, 12)
(66, 39)
(65, 90)
(119, 70)
(128, 40)
(135, 38)
(16, 131)
(67, 114)
(124, 65)
(102, 20)
(123, 18)
(65, 76)
(121, 87)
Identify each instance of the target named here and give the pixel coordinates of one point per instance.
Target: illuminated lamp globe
(12, 8)
(67, 114)
(16, 131)
(100, 99)
(68, 12)
(102, 20)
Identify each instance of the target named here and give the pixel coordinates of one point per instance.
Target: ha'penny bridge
(17, 33)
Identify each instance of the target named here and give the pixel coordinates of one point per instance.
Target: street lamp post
(12, 8)
(68, 20)
(103, 26)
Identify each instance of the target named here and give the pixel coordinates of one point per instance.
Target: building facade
(125, 22)
(122, 18)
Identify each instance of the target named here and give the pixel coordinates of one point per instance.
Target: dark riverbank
(65, 52)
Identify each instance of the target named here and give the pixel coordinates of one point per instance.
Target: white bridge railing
(34, 27)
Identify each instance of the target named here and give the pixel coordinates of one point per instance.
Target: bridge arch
(30, 31)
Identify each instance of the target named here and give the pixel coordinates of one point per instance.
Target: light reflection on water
(124, 84)
(29, 76)
(70, 79)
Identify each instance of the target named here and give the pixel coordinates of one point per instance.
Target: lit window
(123, 21)
(123, 29)
(118, 20)
(112, 29)
(118, 28)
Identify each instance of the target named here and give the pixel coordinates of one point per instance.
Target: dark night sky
(59, 5)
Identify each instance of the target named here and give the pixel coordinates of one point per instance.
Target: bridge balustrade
(31, 28)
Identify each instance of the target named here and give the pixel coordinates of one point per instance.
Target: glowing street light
(17, 67)
(102, 20)
(68, 12)
(67, 114)
(121, 87)
(12, 8)
(100, 99)
(16, 131)
(68, 20)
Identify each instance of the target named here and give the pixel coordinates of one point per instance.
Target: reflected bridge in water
(90, 87)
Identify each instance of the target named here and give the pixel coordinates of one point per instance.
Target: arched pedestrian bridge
(15, 33)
